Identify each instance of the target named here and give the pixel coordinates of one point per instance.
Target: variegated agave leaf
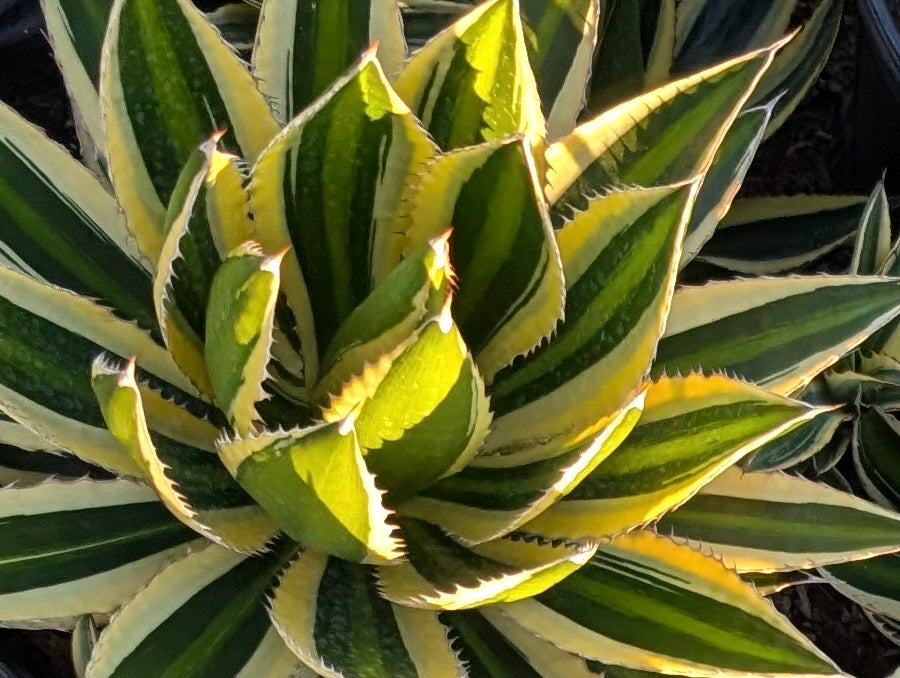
(384, 351)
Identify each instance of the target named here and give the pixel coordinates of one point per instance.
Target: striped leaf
(75, 29)
(333, 617)
(692, 429)
(425, 416)
(822, 464)
(873, 239)
(619, 261)
(798, 65)
(191, 482)
(329, 186)
(479, 504)
(561, 37)
(58, 223)
(203, 615)
(876, 456)
(160, 101)
(882, 390)
(503, 248)
(635, 50)
(473, 82)
(649, 604)
(28, 459)
(777, 332)
(84, 637)
(768, 583)
(723, 178)
(78, 547)
(239, 323)
(773, 522)
(805, 441)
(316, 486)
(444, 575)
(762, 236)
(303, 46)
(666, 135)
(50, 337)
(180, 296)
(500, 648)
(388, 317)
(709, 32)
(872, 583)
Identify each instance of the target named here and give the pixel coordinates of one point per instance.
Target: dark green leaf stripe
(169, 90)
(620, 65)
(603, 306)
(327, 170)
(875, 456)
(664, 610)
(723, 178)
(873, 239)
(439, 81)
(801, 323)
(799, 524)
(797, 66)
(50, 364)
(718, 32)
(650, 459)
(442, 574)
(169, 83)
(193, 258)
(355, 628)
(781, 242)
(54, 218)
(333, 616)
(213, 625)
(46, 463)
(561, 38)
(485, 651)
(662, 137)
(304, 46)
(814, 528)
(873, 583)
(60, 545)
(797, 445)
(86, 21)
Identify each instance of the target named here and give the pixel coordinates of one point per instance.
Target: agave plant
(368, 344)
(865, 386)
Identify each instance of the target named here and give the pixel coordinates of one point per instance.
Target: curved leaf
(503, 249)
(204, 613)
(329, 186)
(444, 575)
(479, 504)
(157, 96)
(79, 547)
(303, 46)
(779, 332)
(332, 616)
(649, 604)
(619, 260)
(691, 430)
(315, 485)
(191, 482)
(763, 522)
(472, 82)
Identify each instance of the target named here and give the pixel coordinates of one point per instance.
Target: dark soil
(840, 629)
